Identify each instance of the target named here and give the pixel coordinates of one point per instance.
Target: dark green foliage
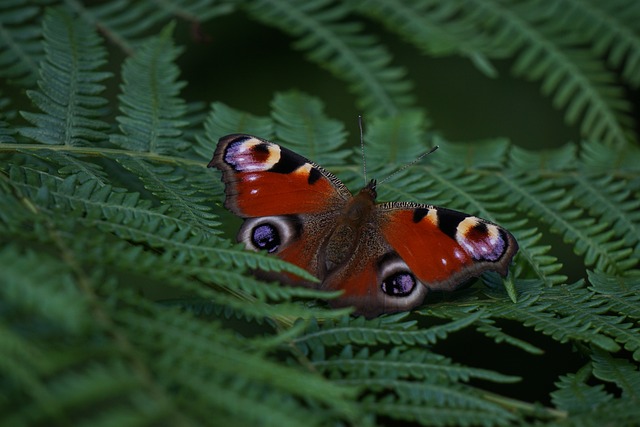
(20, 46)
(343, 48)
(151, 111)
(69, 85)
(124, 300)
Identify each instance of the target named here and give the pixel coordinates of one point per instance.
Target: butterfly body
(385, 257)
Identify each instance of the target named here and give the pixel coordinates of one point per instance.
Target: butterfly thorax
(344, 239)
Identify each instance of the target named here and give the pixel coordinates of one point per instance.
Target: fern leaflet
(72, 112)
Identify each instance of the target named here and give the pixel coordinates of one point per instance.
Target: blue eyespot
(266, 237)
(400, 284)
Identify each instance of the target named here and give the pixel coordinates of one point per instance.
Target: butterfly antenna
(364, 160)
(408, 165)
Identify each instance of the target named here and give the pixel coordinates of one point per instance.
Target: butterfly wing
(448, 247)
(262, 179)
(287, 201)
(411, 249)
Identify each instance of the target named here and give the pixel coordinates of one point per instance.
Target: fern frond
(438, 413)
(619, 412)
(543, 199)
(302, 125)
(484, 154)
(59, 387)
(491, 329)
(126, 24)
(71, 164)
(610, 27)
(398, 363)
(575, 395)
(620, 293)
(590, 207)
(133, 219)
(593, 311)
(572, 75)
(372, 332)
(152, 114)
(209, 351)
(619, 371)
(541, 313)
(539, 262)
(111, 372)
(20, 47)
(610, 198)
(396, 140)
(436, 28)
(343, 49)
(145, 323)
(45, 291)
(574, 312)
(7, 133)
(72, 109)
(598, 158)
(172, 186)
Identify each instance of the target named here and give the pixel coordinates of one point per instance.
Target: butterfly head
(370, 189)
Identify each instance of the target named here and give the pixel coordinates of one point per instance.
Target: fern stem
(102, 152)
(529, 408)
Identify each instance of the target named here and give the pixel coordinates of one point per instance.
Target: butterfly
(385, 257)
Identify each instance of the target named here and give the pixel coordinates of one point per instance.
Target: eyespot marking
(270, 233)
(399, 284)
(482, 240)
(266, 237)
(247, 154)
(396, 278)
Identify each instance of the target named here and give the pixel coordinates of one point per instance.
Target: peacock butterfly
(385, 257)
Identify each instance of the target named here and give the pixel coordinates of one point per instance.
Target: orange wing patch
(431, 254)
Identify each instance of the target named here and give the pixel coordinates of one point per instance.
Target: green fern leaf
(572, 75)
(46, 292)
(621, 293)
(542, 199)
(168, 183)
(490, 329)
(437, 28)
(542, 315)
(539, 262)
(20, 47)
(341, 48)
(398, 363)
(575, 395)
(605, 196)
(359, 331)
(395, 140)
(438, 414)
(610, 27)
(619, 371)
(293, 114)
(126, 23)
(7, 133)
(152, 112)
(591, 311)
(72, 110)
